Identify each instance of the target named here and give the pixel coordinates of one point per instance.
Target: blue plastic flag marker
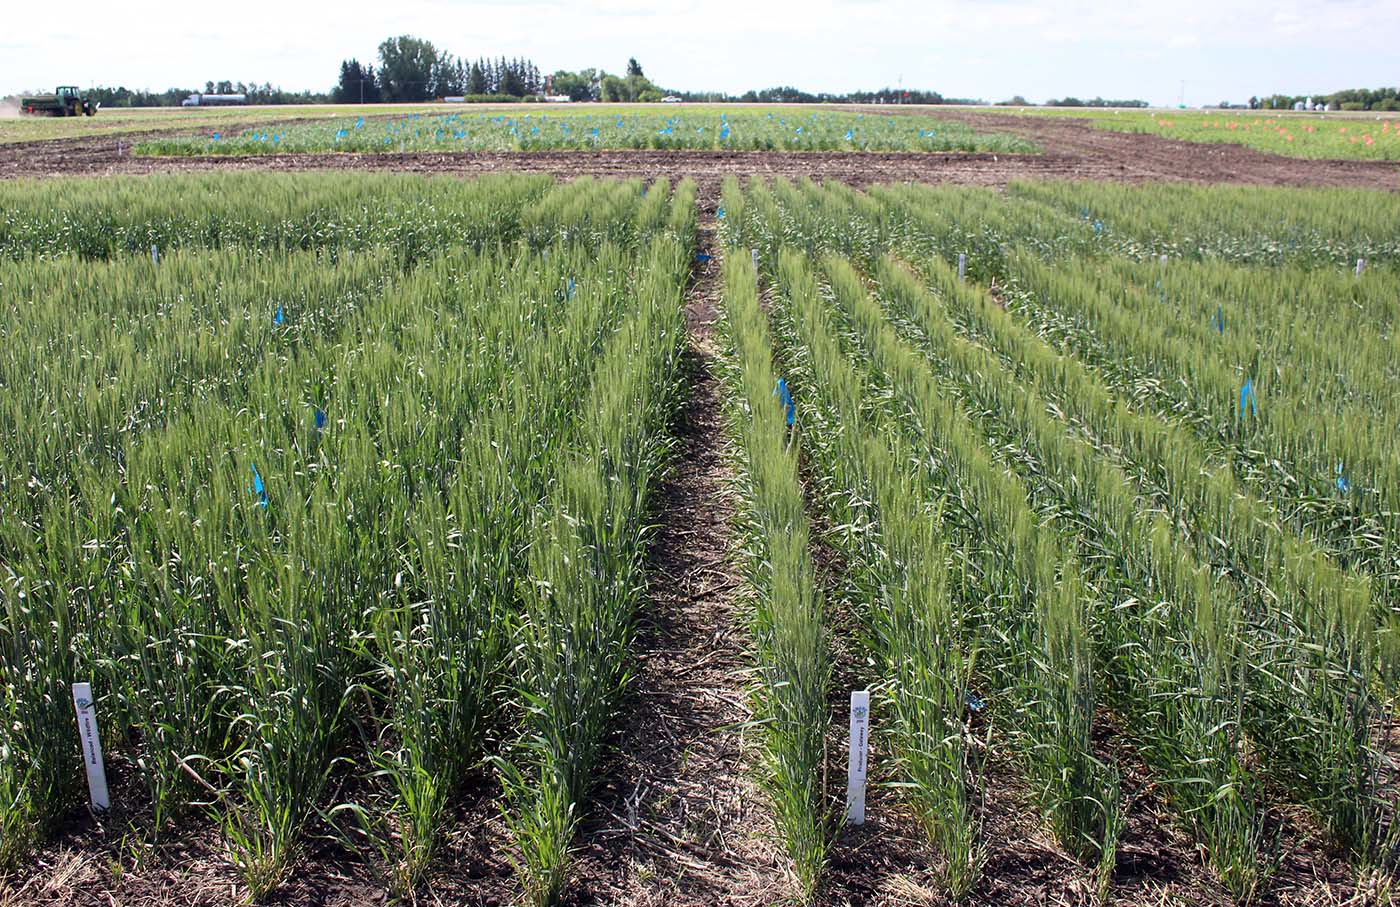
(216, 136)
(1247, 397)
(702, 257)
(1342, 484)
(320, 419)
(1220, 319)
(974, 702)
(1098, 226)
(785, 398)
(280, 317)
(570, 294)
(258, 488)
(720, 211)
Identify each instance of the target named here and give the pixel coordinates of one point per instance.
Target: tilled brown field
(1072, 150)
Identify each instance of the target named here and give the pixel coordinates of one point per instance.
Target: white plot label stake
(860, 744)
(92, 747)
(1360, 266)
(755, 264)
(155, 255)
(962, 267)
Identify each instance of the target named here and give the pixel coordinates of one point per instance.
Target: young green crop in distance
(701, 128)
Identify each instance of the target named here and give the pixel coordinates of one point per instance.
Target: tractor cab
(73, 102)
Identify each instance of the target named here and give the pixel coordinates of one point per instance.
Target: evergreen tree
(356, 84)
(511, 83)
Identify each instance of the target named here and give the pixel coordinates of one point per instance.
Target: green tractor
(67, 101)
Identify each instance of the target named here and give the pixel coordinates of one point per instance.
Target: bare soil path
(677, 819)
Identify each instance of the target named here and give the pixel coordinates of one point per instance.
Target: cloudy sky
(992, 49)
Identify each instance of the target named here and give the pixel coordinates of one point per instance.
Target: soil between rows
(677, 819)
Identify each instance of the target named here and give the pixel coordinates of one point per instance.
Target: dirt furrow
(677, 819)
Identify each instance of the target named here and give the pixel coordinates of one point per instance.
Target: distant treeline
(1347, 99)
(411, 69)
(1096, 102)
(122, 96)
(787, 94)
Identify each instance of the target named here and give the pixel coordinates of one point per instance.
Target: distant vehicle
(670, 99)
(214, 100)
(67, 101)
